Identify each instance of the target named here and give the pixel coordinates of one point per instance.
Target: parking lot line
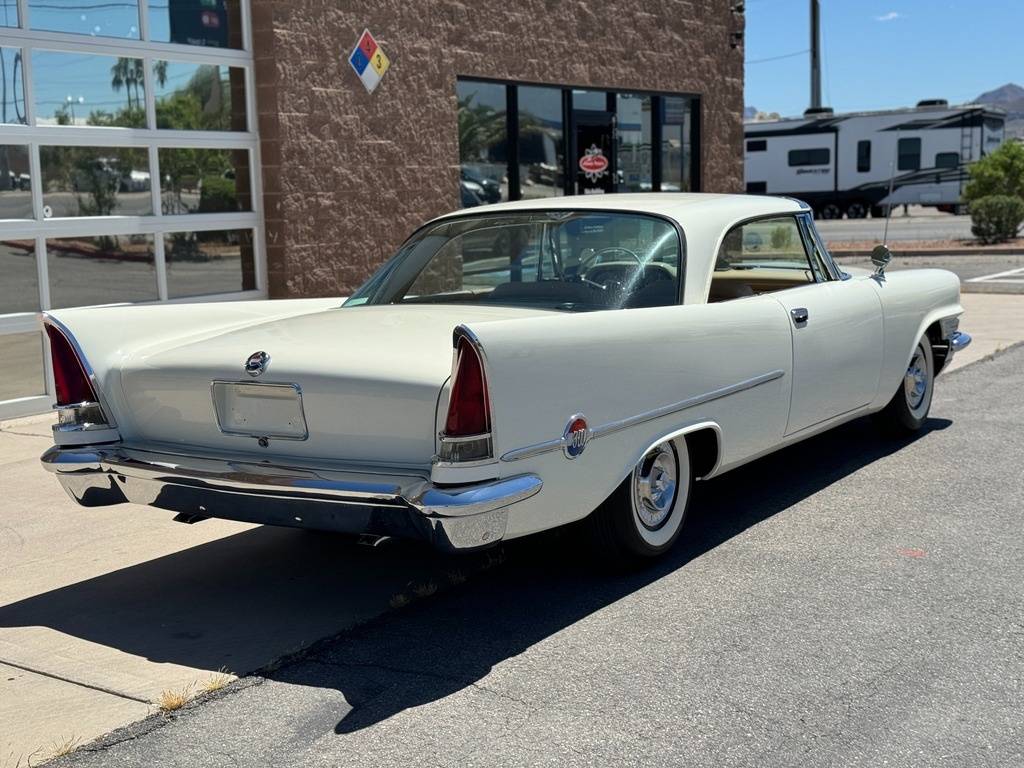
(1013, 276)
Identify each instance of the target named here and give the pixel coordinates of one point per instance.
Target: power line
(777, 58)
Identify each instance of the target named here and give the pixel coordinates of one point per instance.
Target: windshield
(566, 260)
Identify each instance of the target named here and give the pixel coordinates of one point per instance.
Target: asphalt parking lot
(979, 273)
(921, 224)
(848, 601)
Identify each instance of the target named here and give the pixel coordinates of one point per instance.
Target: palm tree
(160, 72)
(119, 77)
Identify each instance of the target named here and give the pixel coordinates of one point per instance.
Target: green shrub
(218, 195)
(996, 218)
(998, 173)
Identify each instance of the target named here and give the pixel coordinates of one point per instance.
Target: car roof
(683, 207)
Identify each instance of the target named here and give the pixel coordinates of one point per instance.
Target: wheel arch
(703, 442)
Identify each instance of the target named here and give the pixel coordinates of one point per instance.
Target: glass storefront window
(541, 142)
(676, 144)
(22, 354)
(633, 150)
(15, 183)
(111, 19)
(101, 270)
(19, 288)
(204, 180)
(201, 263)
(199, 97)
(12, 87)
(80, 89)
(212, 23)
(590, 100)
(483, 144)
(8, 13)
(95, 181)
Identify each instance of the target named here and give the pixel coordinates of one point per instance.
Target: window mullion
(144, 20)
(148, 91)
(23, 14)
(28, 87)
(160, 260)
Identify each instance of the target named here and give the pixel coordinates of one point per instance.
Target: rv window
(947, 160)
(757, 145)
(757, 187)
(822, 156)
(909, 155)
(863, 156)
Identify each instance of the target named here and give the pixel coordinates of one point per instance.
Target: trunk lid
(370, 380)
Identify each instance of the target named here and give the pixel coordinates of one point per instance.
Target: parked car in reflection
(489, 189)
(511, 369)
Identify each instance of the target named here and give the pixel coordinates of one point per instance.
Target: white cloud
(890, 16)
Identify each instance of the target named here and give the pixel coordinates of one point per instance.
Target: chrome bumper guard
(959, 340)
(361, 501)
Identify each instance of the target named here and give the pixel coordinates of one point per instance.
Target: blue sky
(882, 53)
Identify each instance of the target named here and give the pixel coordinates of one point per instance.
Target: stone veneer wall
(348, 175)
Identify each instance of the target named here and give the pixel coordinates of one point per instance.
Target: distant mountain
(1010, 98)
(749, 113)
(1011, 94)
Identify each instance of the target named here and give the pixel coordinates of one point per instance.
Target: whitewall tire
(644, 516)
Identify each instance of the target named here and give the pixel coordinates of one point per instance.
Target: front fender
(912, 301)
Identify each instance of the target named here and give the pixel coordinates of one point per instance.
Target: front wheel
(831, 211)
(644, 516)
(908, 409)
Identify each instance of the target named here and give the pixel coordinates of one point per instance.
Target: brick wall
(348, 175)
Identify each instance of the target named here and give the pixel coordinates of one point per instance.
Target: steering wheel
(586, 261)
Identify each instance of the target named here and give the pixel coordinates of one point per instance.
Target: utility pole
(815, 55)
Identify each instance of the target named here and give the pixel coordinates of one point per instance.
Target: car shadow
(243, 601)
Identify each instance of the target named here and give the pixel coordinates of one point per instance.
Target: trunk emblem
(575, 437)
(257, 363)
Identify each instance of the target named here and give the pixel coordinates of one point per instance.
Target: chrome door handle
(800, 315)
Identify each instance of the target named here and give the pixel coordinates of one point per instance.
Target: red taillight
(468, 412)
(69, 377)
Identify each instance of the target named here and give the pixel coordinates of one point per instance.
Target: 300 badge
(574, 439)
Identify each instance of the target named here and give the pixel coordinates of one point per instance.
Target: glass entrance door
(594, 152)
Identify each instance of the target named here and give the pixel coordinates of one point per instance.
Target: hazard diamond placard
(369, 61)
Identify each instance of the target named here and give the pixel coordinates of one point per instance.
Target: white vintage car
(511, 369)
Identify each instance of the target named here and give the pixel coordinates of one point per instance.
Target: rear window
(567, 260)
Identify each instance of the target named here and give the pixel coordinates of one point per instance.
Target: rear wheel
(644, 515)
(908, 409)
(831, 211)
(856, 211)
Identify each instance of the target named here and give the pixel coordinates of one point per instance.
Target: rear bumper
(362, 501)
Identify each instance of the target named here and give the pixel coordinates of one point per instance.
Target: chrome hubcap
(655, 483)
(915, 383)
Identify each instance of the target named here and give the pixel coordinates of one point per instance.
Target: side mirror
(880, 257)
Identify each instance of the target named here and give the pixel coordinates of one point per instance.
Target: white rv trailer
(843, 163)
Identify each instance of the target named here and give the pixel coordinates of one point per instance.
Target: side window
(819, 156)
(908, 155)
(947, 160)
(757, 145)
(863, 156)
(761, 256)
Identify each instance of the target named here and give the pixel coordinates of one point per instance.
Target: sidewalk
(101, 610)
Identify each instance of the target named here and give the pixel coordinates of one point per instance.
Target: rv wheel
(856, 211)
(831, 211)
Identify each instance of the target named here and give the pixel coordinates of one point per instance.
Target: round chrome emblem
(574, 439)
(257, 363)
